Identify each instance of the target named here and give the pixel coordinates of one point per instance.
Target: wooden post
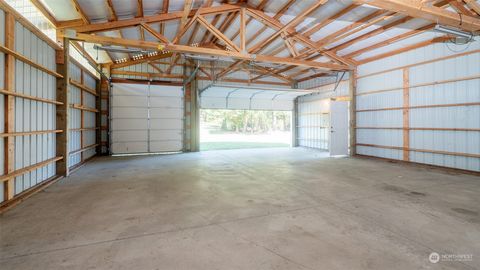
(63, 110)
(98, 116)
(295, 123)
(9, 106)
(82, 112)
(353, 116)
(406, 114)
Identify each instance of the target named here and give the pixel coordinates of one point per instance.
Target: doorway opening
(237, 129)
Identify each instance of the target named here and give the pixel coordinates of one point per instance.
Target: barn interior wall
(422, 106)
(33, 110)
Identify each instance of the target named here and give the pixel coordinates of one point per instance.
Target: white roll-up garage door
(146, 118)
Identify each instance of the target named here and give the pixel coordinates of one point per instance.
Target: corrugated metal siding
(81, 135)
(428, 86)
(313, 116)
(30, 115)
(313, 124)
(89, 121)
(74, 121)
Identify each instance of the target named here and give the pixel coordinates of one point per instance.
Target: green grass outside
(206, 146)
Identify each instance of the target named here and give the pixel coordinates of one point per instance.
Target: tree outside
(231, 129)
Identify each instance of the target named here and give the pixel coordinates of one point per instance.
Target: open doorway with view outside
(235, 129)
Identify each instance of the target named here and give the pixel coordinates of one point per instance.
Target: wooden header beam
(202, 51)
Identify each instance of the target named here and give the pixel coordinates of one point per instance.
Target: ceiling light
(453, 31)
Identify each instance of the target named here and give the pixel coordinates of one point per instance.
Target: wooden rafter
(458, 5)
(80, 12)
(391, 40)
(39, 5)
(308, 32)
(107, 26)
(164, 10)
(289, 26)
(473, 5)
(417, 9)
(406, 49)
(111, 10)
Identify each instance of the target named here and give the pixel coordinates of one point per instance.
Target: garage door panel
(129, 147)
(166, 102)
(165, 124)
(146, 118)
(129, 124)
(130, 136)
(130, 101)
(165, 146)
(166, 113)
(165, 134)
(122, 112)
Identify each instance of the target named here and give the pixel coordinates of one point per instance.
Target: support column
(9, 107)
(98, 116)
(63, 110)
(194, 117)
(406, 114)
(352, 92)
(295, 123)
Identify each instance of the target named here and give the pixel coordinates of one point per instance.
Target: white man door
(339, 128)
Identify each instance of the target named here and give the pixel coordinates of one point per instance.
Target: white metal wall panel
(313, 115)
(428, 86)
(74, 120)
(30, 115)
(146, 118)
(89, 136)
(313, 123)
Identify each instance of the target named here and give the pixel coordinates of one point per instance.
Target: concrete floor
(246, 209)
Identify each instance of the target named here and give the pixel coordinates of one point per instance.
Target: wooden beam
(62, 112)
(275, 24)
(217, 33)
(154, 33)
(165, 4)
(39, 5)
(458, 5)
(291, 24)
(242, 29)
(390, 41)
(417, 9)
(406, 113)
(352, 90)
(203, 51)
(139, 8)
(9, 108)
(107, 26)
(80, 12)
(111, 11)
(473, 4)
(328, 20)
(406, 49)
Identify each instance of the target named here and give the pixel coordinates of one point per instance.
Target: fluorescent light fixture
(453, 31)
